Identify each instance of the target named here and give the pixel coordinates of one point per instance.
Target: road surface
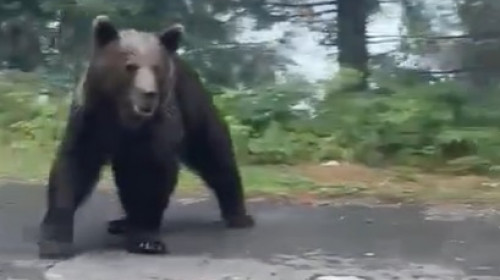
(346, 242)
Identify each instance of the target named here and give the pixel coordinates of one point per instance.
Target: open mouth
(143, 111)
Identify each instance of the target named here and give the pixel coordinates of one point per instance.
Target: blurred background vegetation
(384, 82)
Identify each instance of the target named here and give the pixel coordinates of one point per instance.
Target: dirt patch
(400, 184)
(344, 173)
(315, 184)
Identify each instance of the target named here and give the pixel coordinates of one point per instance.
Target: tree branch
(459, 71)
(480, 36)
(395, 38)
(318, 4)
(314, 14)
(304, 5)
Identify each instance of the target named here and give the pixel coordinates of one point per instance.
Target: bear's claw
(146, 244)
(240, 221)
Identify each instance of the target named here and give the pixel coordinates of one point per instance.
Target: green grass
(34, 164)
(258, 181)
(306, 184)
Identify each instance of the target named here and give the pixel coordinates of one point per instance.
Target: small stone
(187, 201)
(53, 276)
(257, 199)
(337, 278)
(323, 203)
(490, 184)
(482, 268)
(331, 163)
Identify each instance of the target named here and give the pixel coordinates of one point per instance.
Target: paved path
(289, 242)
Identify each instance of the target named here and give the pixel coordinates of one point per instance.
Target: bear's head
(133, 70)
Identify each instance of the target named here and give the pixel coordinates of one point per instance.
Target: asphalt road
(346, 242)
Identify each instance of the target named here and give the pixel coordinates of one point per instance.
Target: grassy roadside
(309, 183)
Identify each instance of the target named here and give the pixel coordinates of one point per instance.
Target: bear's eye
(131, 67)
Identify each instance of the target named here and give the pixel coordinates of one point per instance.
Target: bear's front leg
(71, 180)
(144, 187)
(73, 175)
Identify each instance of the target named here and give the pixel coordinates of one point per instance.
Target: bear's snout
(145, 96)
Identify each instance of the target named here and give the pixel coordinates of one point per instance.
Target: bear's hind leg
(144, 187)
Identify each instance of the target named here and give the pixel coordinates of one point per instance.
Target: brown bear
(140, 108)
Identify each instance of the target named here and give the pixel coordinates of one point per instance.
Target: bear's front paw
(147, 244)
(240, 221)
(55, 250)
(55, 241)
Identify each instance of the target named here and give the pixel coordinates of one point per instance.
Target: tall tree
(343, 23)
(470, 55)
(20, 26)
(481, 56)
(351, 37)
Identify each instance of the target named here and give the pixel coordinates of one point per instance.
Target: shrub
(428, 125)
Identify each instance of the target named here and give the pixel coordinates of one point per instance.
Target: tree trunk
(22, 46)
(351, 38)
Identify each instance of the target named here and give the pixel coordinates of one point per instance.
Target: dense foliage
(405, 123)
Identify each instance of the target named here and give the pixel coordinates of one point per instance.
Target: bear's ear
(171, 37)
(103, 31)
